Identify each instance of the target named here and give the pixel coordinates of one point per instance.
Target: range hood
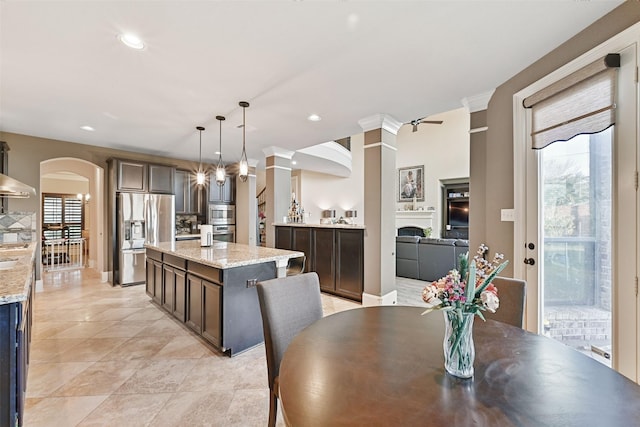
(12, 188)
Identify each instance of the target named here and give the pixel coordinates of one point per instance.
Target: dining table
(384, 366)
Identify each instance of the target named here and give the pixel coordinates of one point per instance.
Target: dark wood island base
(212, 289)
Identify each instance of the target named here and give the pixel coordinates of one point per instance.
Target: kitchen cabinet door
(161, 179)
(181, 190)
(131, 176)
(157, 282)
(211, 326)
(283, 237)
(302, 242)
(224, 194)
(349, 263)
(180, 306)
(323, 261)
(194, 303)
(168, 288)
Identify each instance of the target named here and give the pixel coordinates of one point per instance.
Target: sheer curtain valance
(581, 103)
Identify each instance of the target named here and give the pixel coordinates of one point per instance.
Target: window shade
(581, 103)
(62, 212)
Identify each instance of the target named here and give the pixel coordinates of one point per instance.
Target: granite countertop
(297, 224)
(15, 281)
(223, 254)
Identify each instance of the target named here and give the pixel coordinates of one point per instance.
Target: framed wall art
(411, 184)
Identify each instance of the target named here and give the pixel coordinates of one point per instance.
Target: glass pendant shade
(201, 177)
(244, 164)
(220, 169)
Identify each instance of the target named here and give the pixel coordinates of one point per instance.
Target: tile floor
(107, 356)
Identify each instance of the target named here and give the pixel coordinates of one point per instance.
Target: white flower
(490, 301)
(430, 295)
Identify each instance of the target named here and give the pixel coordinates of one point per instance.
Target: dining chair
(296, 265)
(512, 296)
(288, 305)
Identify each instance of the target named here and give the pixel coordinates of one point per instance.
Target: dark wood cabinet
(168, 288)
(336, 254)
(211, 308)
(222, 194)
(194, 303)
(15, 342)
(283, 238)
(219, 305)
(180, 305)
(131, 176)
(161, 179)
(189, 195)
(349, 255)
(323, 261)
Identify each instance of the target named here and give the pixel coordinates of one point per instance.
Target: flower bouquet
(460, 303)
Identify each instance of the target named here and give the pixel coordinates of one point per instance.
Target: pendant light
(220, 171)
(244, 164)
(200, 176)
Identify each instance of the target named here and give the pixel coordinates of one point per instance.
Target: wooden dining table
(384, 366)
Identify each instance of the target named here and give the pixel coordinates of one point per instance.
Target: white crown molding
(380, 121)
(278, 152)
(252, 163)
(477, 102)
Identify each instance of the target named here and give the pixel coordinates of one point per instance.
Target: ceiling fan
(416, 122)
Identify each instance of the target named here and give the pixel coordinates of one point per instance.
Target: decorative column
(477, 107)
(379, 209)
(278, 188)
(246, 207)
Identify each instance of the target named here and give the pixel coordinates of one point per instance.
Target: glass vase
(459, 351)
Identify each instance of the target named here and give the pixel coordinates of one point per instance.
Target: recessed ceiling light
(87, 128)
(314, 118)
(293, 162)
(217, 152)
(132, 41)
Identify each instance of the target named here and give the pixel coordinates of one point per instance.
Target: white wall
(444, 152)
(442, 149)
(319, 191)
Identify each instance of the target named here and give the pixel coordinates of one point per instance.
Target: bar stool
(296, 265)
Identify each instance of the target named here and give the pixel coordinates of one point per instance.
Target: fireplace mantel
(422, 219)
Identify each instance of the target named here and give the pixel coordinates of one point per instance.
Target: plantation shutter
(62, 212)
(581, 103)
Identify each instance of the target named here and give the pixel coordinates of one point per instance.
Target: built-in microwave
(221, 214)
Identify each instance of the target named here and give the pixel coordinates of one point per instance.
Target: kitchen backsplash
(18, 227)
(186, 224)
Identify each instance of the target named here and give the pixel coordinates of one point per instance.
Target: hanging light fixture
(200, 176)
(244, 164)
(220, 171)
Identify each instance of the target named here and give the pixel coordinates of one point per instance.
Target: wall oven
(221, 214)
(224, 233)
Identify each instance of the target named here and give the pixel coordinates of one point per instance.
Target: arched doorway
(95, 176)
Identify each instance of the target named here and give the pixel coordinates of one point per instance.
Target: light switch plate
(507, 215)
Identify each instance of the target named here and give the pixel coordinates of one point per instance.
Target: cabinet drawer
(153, 254)
(175, 261)
(211, 274)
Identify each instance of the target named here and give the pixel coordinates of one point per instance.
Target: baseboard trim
(373, 300)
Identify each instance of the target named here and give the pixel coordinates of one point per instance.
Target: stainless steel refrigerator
(141, 218)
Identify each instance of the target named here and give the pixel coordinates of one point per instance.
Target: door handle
(529, 261)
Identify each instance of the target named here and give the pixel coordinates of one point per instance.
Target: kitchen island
(212, 289)
(17, 279)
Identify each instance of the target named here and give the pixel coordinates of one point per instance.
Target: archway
(95, 175)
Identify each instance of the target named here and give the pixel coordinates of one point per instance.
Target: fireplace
(410, 231)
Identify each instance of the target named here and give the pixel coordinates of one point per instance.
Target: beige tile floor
(107, 356)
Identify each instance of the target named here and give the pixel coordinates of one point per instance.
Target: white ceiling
(62, 66)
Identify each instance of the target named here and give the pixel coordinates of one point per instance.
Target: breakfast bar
(212, 289)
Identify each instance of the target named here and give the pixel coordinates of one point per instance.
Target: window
(62, 216)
